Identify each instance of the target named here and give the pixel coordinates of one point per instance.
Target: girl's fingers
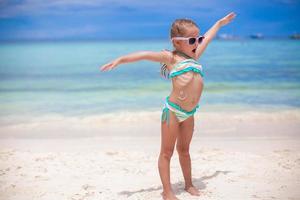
(102, 68)
(228, 18)
(231, 15)
(106, 67)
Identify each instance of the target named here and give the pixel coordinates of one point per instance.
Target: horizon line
(218, 37)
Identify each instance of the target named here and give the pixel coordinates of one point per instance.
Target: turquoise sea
(42, 78)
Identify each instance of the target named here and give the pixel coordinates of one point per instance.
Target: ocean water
(44, 78)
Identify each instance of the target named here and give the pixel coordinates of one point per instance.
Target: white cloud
(59, 7)
(56, 33)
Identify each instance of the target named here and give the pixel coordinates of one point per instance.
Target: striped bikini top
(186, 66)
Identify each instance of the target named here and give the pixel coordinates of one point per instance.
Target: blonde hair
(180, 26)
(178, 29)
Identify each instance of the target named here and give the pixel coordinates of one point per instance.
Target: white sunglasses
(191, 40)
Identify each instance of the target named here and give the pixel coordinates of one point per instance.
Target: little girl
(177, 122)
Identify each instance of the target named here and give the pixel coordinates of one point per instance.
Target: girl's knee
(167, 154)
(182, 151)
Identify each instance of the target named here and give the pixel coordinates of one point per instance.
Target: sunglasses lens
(192, 40)
(200, 39)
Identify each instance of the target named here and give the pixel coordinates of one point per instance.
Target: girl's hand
(227, 19)
(109, 66)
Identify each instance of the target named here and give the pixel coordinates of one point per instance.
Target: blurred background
(133, 19)
(51, 51)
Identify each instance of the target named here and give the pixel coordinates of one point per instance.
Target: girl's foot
(193, 191)
(168, 196)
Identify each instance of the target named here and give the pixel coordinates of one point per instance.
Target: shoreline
(147, 124)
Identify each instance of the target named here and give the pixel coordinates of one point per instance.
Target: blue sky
(137, 19)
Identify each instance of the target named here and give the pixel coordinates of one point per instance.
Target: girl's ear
(176, 43)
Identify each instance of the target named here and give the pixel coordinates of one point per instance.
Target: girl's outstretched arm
(162, 57)
(210, 34)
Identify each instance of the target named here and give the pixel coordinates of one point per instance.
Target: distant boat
(226, 37)
(257, 36)
(295, 36)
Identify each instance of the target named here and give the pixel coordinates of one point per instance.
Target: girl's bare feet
(193, 191)
(168, 196)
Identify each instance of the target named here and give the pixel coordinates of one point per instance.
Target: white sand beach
(238, 155)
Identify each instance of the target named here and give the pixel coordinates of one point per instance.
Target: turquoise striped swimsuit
(180, 68)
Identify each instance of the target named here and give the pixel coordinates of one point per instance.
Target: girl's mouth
(194, 51)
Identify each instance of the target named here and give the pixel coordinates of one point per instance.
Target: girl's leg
(183, 146)
(168, 138)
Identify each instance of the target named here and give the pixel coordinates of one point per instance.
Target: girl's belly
(188, 95)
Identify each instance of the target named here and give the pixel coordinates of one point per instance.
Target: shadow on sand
(178, 187)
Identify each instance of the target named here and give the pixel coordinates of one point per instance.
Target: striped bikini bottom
(180, 113)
